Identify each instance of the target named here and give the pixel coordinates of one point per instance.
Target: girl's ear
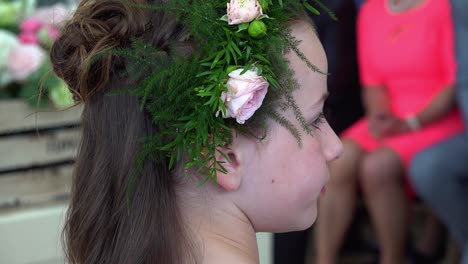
(229, 181)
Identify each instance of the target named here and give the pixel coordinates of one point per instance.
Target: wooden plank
(17, 115)
(38, 149)
(35, 187)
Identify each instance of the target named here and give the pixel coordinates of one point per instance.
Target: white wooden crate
(37, 149)
(16, 115)
(35, 187)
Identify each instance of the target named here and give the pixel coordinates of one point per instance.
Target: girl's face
(285, 180)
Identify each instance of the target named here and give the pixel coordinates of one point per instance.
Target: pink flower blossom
(243, 11)
(24, 60)
(28, 38)
(245, 94)
(53, 32)
(31, 25)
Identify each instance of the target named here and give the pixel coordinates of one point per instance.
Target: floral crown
(237, 73)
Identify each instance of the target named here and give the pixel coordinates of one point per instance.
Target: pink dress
(412, 55)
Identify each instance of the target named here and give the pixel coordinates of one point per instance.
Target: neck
(221, 231)
(228, 237)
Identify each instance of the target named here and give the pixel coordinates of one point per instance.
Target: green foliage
(37, 87)
(183, 96)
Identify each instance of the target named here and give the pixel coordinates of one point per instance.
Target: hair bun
(96, 27)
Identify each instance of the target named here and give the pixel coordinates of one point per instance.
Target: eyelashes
(318, 121)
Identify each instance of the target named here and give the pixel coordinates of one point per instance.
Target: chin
(291, 225)
(312, 215)
(311, 220)
(305, 221)
(300, 219)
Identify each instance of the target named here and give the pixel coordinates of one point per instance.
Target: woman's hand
(386, 125)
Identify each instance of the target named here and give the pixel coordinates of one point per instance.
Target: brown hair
(100, 228)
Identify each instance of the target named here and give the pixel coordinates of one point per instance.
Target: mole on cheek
(272, 181)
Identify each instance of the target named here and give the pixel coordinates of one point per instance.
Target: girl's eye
(318, 121)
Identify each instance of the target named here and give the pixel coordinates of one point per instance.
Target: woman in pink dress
(407, 68)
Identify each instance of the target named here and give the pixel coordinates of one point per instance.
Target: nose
(331, 145)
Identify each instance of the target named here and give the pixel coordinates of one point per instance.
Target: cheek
(309, 172)
(290, 201)
(287, 184)
(298, 174)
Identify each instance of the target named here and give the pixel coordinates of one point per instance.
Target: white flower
(8, 41)
(245, 94)
(24, 60)
(243, 11)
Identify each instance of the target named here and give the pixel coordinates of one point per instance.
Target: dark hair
(100, 227)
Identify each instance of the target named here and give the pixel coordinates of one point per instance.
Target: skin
(271, 185)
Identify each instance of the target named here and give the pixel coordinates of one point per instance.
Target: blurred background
(38, 138)
(40, 134)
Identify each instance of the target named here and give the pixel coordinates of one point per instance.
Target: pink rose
(31, 25)
(245, 94)
(24, 60)
(243, 11)
(53, 32)
(28, 38)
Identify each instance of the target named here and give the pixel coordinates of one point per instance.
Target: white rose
(243, 11)
(245, 94)
(24, 60)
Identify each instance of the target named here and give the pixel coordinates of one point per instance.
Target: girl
(269, 184)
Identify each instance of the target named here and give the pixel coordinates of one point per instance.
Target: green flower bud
(257, 29)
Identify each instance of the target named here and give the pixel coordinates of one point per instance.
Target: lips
(324, 189)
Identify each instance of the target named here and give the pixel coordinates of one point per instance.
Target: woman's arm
(445, 100)
(383, 123)
(438, 107)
